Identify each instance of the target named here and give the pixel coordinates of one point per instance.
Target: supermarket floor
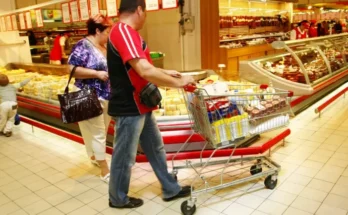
(41, 173)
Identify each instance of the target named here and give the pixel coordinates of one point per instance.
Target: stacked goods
(243, 107)
(42, 86)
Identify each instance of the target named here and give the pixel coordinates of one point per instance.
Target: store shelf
(251, 37)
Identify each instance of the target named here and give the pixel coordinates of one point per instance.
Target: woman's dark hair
(92, 27)
(130, 6)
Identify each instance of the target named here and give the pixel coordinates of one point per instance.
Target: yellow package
(222, 132)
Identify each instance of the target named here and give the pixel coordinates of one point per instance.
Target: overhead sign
(152, 5)
(111, 8)
(84, 11)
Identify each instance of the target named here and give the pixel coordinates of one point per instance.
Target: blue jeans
(130, 131)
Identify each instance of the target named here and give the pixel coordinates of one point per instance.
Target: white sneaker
(106, 178)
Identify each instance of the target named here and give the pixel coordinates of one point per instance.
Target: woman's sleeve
(79, 55)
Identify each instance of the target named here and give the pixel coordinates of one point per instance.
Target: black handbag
(80, 105)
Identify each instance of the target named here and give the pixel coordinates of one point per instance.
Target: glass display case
(304, 65)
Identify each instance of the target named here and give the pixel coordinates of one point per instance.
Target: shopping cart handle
(190, 88)
(263, 86)
(290, 93)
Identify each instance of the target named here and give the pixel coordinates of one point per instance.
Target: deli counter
(304, 67)
(38, 100)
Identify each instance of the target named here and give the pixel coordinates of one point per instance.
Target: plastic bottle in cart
(239, 126)
(245, 124)
(233, 128)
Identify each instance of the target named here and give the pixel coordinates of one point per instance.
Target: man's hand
(187, 80)
(173, 73)
(102, 75)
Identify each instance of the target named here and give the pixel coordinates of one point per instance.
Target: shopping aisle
(41, 173)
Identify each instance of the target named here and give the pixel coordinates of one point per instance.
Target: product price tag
(74, 11)
(152, 5)
(14, 22)
(3, 25)
(111, 8)
(66, 13)
(167, 4)
(8, 23)
(22, 21)
(28, 20)
(94, 7)
(84, 12)
(39, 21)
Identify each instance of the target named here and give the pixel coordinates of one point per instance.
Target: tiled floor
(41, 173)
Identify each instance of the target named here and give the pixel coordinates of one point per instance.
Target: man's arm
(157, 76)
(23, 83)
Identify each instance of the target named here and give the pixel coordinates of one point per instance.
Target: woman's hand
(102, 75)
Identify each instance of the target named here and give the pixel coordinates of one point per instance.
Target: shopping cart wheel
(186, 209)
(255, 169)
(270, 183)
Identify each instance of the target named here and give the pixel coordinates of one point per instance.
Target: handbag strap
(71, 75)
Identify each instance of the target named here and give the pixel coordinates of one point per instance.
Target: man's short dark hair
(130, 6)
(303, 22)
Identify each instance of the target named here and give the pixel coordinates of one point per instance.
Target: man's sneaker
(185, 191)
(133, 203)
(8, 134)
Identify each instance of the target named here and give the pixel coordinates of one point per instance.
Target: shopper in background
(58, 49)
(8, 106)
(130, 70)
(32, 41)
(325, 26)
(312, 31)
(338, 27)
(320, 30)
(89, 56)
(300, 32)
(48, 38)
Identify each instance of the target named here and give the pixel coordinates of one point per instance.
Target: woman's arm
(84, 73)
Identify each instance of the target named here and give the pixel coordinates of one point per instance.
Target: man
(58, 49)
(300, 32)
(130, 70)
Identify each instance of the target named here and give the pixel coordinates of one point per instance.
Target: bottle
(245, 124)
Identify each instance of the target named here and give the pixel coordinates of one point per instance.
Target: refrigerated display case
(38, 100)
(306, 67)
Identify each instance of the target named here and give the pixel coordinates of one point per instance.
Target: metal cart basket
(226, 116)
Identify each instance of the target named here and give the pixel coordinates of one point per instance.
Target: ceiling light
(309, 7)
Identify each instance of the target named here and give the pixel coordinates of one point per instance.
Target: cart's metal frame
(203, 127)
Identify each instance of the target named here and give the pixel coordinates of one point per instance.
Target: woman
(32, 41)
(58, 49)
(89, 56)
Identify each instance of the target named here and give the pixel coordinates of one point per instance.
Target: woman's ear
(97, 31)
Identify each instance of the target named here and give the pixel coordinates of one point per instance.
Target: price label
(66, 13)
(111, 8)
(14, 22)
(167, 4)
(22, 21)
(94, 6)
(3, 24)
(152, 5)
(8, 23)
(28, 19)
(39, 21)
(84, 14)
(74, 11)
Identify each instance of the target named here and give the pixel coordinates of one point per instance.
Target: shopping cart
(226, 117)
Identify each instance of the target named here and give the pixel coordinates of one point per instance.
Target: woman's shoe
(106, 178)
(94, 162)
